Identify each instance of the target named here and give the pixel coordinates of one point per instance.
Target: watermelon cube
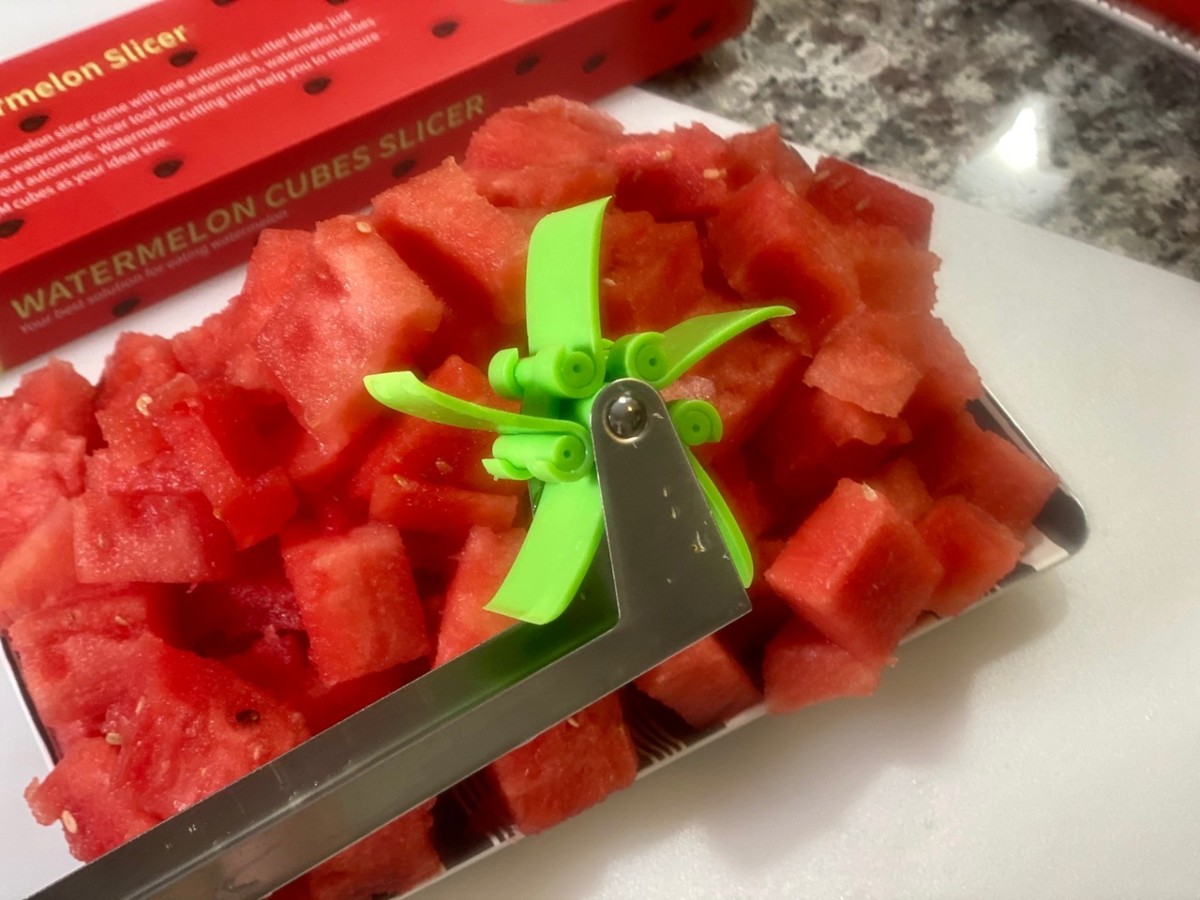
(567, 769)
(393, 860)
(763, 152)
(109, 471)
(863, 361)
(847, 194)
(546, 187)
(774, 246)
(959, 457)
(439, 508)
(704, 684)
(893, 275)
(468, 251)
(357, 600)
(800, 667)
(190, 727)
(974, 549)
(41, 567)
(212, 431)
(651, 274)
(356, 310)
(857, 570)
(674, 175)
(32, 484)
(79, 794)
(172, 538)
(49, 404)
(901, 483)
(482, 567)
(138, 364)
(548, 129)
(432, 453)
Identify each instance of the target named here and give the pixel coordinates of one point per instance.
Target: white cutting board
(1046, 745)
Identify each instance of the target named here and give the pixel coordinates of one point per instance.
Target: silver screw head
(626, 417)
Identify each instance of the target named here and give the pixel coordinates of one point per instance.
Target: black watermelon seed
(702, 29)
(402, 168)
(527, 65)
(335, 2)
(9, 227)
(33, 123)
(314, 86)
(168, 167)
(445, 28)
(126, 306)
(222, 2)
(247, 716)
(663, 12)
(592, 63)
(182, 58)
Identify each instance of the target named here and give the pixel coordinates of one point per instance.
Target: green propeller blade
(549, 442)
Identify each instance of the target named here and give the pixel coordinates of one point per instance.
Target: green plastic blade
(403, 391)
(562, 281)
(561, 543)
(735, 541)
(689, 342)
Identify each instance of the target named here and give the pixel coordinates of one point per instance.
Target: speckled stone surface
(1037, 109)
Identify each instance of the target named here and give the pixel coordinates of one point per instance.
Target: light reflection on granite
(1037, 109)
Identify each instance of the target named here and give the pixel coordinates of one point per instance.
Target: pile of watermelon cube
(225, 546)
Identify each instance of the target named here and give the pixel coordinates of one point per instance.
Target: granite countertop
(1037, 109)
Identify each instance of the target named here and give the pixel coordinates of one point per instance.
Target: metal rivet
(626, 417)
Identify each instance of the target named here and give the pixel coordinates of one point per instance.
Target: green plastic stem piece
(562, 541)
(735, 541)
(638, 356)
(547, 457)
(697, 421)
(562, 282)
(403, 391)
(502, 374)
(559, 372)
(689, 342)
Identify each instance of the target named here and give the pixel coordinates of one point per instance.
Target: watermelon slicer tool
(632, 556)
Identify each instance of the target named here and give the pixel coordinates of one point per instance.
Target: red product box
(147, 153)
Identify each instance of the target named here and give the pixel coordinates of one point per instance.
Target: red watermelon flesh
(651, 274)
(394, 859)
(49, 404)
(857, 570)
(169, 538)
(429, 452)
(548, 130)
(32, 484)
(800, 668)
(763, 152)
(893, 275)
(901, 483)
(468, 251)
(774, 246)
(357, 304)
(677, 174)
(357, 601)
(482, 567)
(704, 684)
(439, 508)
(846, 423)
(950, 380)
(75, 656)
(190, 727)
(974, 549)
(108, 472)
(138, 364)
(847, 194)
(40, 567)
(959, 457)
(731, 475)
(79, 794)
(859, 364)
(567, 769)
(546, 187)
(212, 431)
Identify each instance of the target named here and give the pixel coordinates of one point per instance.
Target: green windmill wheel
(549, 442)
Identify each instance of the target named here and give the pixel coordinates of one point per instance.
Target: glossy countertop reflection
(1037, 109)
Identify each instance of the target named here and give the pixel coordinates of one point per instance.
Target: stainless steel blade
(661, 581)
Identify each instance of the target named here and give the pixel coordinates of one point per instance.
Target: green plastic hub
(549, 443)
